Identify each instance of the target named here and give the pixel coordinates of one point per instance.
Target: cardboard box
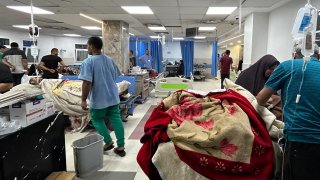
(28, 112)
(61, 176)
(50, 109)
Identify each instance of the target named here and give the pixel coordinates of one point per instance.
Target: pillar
(116, 42)
(255, 38)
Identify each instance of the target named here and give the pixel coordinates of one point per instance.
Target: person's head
(147, 52)
(269, 63)
(228, 52)
(181, 61)
(14, 45)
(3, 48)
(54, 51)
(94, 45)
(131, 53)
(298, 53)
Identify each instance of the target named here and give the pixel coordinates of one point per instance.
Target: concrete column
(116, 42)
(255, 38)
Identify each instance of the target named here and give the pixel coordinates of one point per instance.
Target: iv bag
(302, 21)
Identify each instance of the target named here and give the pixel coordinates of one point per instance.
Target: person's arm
(62, 65)
(264, 96)
(44, 68)
(275, 82)
(86, 87)
(7, 63)
(5, 87)
(24, 61)
(25, 64)
(86, 75)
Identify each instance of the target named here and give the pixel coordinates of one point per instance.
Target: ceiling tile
(151, 16)
(165, 10)
(162, 2)
(259, 3)
(110, 10)
(130, 2)
(95, 3)
(191, 10)
(168, 16)
(195, 3)
(192, 16)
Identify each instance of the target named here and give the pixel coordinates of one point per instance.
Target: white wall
(46, 43)
(248, 31)
(255, 37)
(281, 22)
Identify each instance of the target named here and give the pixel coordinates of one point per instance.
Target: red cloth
(226, 62)
(260, 167)
(155, 133)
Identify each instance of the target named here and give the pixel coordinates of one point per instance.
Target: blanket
(66, 96)
(220, 136)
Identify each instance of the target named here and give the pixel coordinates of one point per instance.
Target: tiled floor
(127, 168)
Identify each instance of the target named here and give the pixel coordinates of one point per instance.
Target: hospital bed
(165, 86)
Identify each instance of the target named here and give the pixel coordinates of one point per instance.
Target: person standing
(146, 60)
(224, 66)
(240, 65)
(180, 71)
(2, 50)
(99, 73)
(49, 65)
(133, 62)
(299, 83)
(16, 59)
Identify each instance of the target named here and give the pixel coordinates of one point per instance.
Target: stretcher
(166, 86)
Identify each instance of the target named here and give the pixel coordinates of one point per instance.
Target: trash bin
(88, 155)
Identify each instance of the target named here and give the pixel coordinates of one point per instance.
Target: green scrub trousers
(98, 121)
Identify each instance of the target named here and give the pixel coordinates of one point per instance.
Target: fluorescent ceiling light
(157, 28)
(220, 10)
(72, 35)
(231, 44)
(207, 28)
(27, 9)
(178, 38)
(91, 27)
(199, 37)
(101, 37)
(137, 9)
(131, 34)
(22, 26)
(239, 42)
(155, 37)
(91, 18)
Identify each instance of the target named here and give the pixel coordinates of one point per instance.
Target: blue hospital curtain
(142, 46)
(133, 46)
(187, 51)
(214, 63)
(156, 53)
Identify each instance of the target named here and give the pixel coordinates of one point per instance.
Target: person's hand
(52, 70)
(84, 105)
(13, 68)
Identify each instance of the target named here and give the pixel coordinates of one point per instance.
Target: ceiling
(176, 15)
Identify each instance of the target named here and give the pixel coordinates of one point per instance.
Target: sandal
(119, 151)
(108, 147)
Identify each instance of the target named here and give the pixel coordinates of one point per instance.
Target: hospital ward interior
(159, 89)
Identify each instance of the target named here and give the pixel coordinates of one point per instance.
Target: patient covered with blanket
(66, 96)
(217, 136)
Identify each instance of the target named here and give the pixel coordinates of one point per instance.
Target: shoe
(108, 147)
(119, 151)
